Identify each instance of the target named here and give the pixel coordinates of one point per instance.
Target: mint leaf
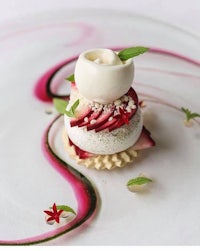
(74, 106)
(71, 112)
(71, 78)
(60, 105)
(131, 52)
(65, 208)
(189, 115)
(138, 181)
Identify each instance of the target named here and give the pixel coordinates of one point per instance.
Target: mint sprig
(71, 112)
(138, 181)
(131, 52)
(65, 208)
(61, 105)
(189, 115)
(71, 78)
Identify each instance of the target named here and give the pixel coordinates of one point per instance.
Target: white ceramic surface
(168, 213)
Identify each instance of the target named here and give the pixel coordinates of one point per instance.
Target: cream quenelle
(101, 76)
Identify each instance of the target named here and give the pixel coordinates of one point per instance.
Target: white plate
(168, 214)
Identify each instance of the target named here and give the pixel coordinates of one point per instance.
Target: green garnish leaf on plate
(139, 181)
(131, 52)
(189, 115)
(65, 208)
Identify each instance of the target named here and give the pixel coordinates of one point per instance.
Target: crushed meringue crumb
(86, 119)
(128, 109)
(125, 102)
(125, 98)
(117, 102)
(93, 121)
(131, 102)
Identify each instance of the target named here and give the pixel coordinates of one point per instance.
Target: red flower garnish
(54, 214)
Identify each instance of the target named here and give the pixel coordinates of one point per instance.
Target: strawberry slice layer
(131, 92)
(81, 153)
(80, 119)
(92, 116)
(100, 120)
(106, 125)
(145, 140)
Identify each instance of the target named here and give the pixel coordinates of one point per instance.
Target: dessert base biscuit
(107, 161)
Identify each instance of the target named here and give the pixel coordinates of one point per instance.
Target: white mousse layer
(101, 76)
(105, 142)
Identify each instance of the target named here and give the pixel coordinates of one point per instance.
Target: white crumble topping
(86, 119)
(125, 98)
(131, 102)
(96, 105)
(116, 113)
(93, 121)
(125, 102)
(128, 109)
(118, 102)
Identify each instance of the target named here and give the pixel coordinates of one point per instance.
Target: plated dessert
(103, 124)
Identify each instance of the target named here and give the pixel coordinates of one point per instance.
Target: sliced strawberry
(133, 112)
(81, 153)
(80, 119)
(106, 125)
(116, 125)
(100, 120)
(131, 92)
(134, 96)
(124, 117)
(144, 141)
(92, 116)
(70, 142)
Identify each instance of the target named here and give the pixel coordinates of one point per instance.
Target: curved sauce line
(83, 189)
(184, 75)
(84, 29)
(175, 55)
(42, 89)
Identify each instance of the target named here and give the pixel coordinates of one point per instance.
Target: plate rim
(46, 14)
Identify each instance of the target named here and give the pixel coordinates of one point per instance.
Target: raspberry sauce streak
(83, 189)
(42, 88)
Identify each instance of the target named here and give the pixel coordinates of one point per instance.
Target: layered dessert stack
(103, 121)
